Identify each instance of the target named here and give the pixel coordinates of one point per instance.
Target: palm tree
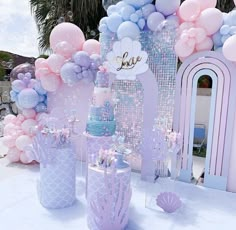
(84, 13)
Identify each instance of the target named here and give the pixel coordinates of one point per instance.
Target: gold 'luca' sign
(127, 63)
(127, 59)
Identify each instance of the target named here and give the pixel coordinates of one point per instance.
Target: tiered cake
(101, 120)
(101, 124)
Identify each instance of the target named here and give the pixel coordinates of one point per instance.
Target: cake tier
(101, 128)
(101, 95)
(102, 79)
(98, 192)
(105, 113)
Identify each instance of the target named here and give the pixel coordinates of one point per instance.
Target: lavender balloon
(68, 73)
(82, 58)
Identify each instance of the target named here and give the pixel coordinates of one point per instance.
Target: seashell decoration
(168, 201)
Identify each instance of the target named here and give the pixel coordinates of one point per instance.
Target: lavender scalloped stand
(108, 195)
(56, 188)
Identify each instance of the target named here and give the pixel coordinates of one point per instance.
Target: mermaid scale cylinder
(56, 188)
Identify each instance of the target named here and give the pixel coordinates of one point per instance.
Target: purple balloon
(82, 58)
(68, 73)
(167, 7)
(154, 21)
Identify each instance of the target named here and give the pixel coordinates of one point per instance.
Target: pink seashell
(168, 201)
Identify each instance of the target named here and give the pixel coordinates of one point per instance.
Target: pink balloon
(20, 117)
(65, 49)
(28, 126)
(185, 26)
(41, 72)
(55, 62)
(41, 63)
(67, 32)
(91, 46)
(9, 129)
(29, 113)
(8, 119)
(189, 10)
(229, 48)
(211, 20)
(206, 44)
(200, 35)
(23, 141)
(8, 141)
(13, 155)
(50, 82)
(25, 159)
(183, 49)
(204, 4)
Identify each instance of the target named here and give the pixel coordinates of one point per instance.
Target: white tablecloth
(202, 208)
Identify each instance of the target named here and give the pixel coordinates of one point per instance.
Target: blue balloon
(147, 10)
(126, 12)
(39, 89)
(141, 23)
(111, 9)
(225, 29)
(134, 17)
(113, 22)
(68, 73)
(128, 29)
(13, 95)
(28, 98)
(41, 107)
(217, 39)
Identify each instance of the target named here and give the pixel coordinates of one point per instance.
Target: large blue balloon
(113, 22)
(128, 29)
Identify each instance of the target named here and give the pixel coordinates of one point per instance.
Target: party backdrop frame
(221, 118)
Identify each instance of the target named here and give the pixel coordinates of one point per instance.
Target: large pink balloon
(204, 4)
(50, 82)
(55, 62)
(91, 46)
(40, 63)
(189, 10)
(184, 49)
(206, 44)
(13, 155)
(211, 20)
(229, 48)
(23, 141)
(67, 32)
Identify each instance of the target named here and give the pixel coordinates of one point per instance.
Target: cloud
(18, 31)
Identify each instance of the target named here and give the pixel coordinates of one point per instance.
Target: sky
(18, 30)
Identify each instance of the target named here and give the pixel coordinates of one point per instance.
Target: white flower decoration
(127, 60)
